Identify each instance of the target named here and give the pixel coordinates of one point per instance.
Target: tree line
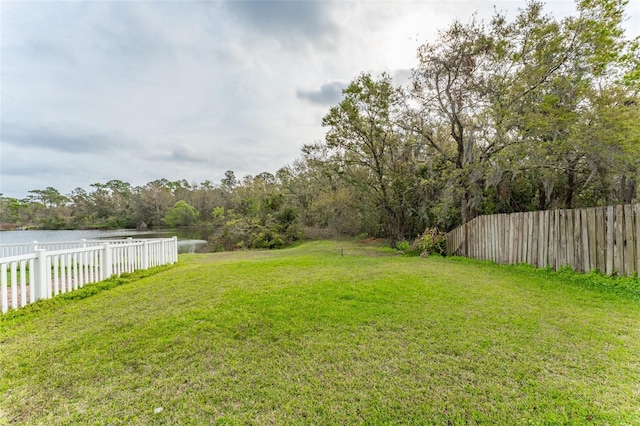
(498, 117)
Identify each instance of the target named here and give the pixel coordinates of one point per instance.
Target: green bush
(408, 249)
(269, 239)
(432, 241)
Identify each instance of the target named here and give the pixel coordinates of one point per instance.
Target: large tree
(111, 203)
(181, 214)
(495, 100)
(370, 148)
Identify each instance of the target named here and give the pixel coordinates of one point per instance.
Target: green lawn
(306, 336)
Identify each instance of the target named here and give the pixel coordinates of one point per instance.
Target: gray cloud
(58, 137)
(186, 156)
(244, 141)
(134, 38)
(45, 50)
(178, 152)
(328, 94)
(22, 169)
(292, 23)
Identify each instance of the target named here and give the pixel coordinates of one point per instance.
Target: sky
(142, 90)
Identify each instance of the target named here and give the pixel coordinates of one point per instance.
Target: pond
(190, 240)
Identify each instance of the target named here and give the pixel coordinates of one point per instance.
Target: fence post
(107, 260)
(130, 255)
(145, 255)
(34, 246)
(162, 250)
(40, 264)
(4, 303)
(175, 250)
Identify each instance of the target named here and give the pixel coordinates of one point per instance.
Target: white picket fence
(34, 271)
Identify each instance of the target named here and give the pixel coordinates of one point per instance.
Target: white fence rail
(18, 249)
(34, 271)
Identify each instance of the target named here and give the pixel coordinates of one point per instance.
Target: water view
(190, 240)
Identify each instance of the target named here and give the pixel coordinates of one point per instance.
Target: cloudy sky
(142, 90)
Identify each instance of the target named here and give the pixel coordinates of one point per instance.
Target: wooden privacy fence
(42, 270)
(598, 238)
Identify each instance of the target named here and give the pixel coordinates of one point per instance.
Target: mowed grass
(307, 336)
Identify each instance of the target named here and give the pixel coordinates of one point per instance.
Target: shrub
(268, 238)
(403, 246)
(432, 241)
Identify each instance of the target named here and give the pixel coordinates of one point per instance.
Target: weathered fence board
(584, 221)
(562, 237)
(601, 242)
(618, 257)
(597, 238)
(636, 210)
(611, 235)
(592, 243)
